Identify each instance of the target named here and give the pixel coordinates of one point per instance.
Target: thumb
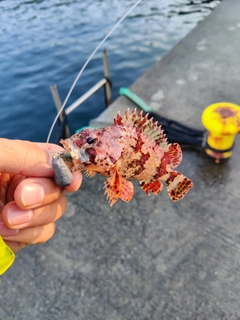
(26, 158)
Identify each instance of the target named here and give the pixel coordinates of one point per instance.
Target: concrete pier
(150, 258)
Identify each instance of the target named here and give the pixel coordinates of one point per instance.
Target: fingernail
(16, 216)
(5, 231)
(32, 194)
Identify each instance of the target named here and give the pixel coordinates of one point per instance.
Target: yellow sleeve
(7, 256)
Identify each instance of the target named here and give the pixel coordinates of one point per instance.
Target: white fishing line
(84, 66)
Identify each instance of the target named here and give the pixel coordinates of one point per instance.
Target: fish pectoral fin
(151, 185)
(177, 185)
(90, 173)
(127, 190)
(113, 185)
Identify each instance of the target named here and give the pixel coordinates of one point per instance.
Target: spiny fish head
(94, 146)
(85, 138)
(81, 145)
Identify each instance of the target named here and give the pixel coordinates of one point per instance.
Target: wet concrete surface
(150, 258)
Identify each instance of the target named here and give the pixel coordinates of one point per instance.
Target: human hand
(30, 200)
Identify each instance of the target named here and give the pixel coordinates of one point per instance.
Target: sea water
(47, 42)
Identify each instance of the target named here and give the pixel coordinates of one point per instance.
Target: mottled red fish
(134, 147)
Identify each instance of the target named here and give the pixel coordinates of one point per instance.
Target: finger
(13, 183)
(49, 147)
(33, 235)
(15, 246)
(15, 218)
(36, 192)
(76, 183)
(26, 158)
(28, 191)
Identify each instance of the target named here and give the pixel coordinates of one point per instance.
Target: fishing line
(84, 66)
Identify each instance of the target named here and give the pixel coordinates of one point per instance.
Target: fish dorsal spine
(143, 125)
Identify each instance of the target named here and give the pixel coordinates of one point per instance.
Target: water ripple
(44, 42)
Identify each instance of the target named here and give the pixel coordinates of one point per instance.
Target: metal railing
(103, 82)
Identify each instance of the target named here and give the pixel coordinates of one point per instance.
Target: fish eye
(90, 140)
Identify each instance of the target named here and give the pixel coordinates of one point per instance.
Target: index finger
(27, 158)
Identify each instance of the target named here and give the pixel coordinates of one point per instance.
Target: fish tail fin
(177, 185)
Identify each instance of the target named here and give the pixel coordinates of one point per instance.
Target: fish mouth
(83, 156)
(75, 152)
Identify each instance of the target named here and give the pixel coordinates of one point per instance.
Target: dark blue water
(44, 42)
